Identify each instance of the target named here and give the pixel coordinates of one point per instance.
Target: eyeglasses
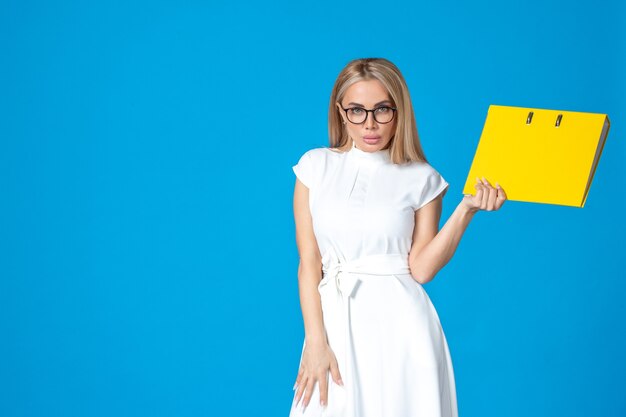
(358, 115)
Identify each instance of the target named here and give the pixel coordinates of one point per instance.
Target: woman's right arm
(317, 356)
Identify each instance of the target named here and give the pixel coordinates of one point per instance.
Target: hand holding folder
(539, 155)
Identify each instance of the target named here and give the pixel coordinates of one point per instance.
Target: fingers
(300, 375)
(305, 384)
(305, 389)
(501, 196)
(334, 371)
(323, 382)
(490, 198)
(492, 195)
(323, 385)
(309, 392)
(300, 384)
(479, 192)
(486, 187)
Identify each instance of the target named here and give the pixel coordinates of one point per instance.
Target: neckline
(381, 155)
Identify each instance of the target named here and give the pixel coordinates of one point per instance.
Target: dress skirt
(390, 347)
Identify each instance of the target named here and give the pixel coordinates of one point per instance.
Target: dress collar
(376, 156)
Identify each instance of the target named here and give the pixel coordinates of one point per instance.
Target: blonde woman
(367, 211)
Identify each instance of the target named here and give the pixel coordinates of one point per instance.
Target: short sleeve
(434, 185)
(304, 169)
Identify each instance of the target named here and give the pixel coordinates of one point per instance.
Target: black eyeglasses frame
(393, 109)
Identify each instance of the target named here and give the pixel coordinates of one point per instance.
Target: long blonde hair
(405, 144)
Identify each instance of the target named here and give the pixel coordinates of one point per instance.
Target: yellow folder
(539, 155)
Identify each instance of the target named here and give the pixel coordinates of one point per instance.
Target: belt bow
(343, 274)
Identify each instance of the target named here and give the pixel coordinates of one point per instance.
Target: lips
(372, 140)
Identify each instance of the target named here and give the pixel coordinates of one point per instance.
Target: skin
(431, 248)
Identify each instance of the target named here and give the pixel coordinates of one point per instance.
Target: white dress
(380, 323)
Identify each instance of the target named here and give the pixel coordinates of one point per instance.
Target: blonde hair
(405, 144)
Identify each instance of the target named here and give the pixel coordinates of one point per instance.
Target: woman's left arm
(432, 249)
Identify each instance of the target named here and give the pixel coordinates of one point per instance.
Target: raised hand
(487, 197)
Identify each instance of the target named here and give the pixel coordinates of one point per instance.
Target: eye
(382, 110)
(356, 111)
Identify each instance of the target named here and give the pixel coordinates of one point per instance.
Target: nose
(370, 122)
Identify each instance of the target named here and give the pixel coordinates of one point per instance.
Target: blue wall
(148, 263)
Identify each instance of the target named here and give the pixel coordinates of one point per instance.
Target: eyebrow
(377, 104)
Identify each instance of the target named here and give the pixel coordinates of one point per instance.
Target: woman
(367, 213)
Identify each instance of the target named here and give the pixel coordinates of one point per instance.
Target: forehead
(367, 93)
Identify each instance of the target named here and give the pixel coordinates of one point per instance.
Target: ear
(341, 112)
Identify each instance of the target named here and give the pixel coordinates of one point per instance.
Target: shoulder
(321, 155)
(314, 164)
(417, 169)
(322, 152)
(423, 181)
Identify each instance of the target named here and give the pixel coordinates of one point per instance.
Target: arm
(432, 249)
(309, 268)
(317, 357)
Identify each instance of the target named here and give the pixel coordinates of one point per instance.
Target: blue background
(147, 253)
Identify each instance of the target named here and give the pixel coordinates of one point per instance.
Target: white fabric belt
(341, 273)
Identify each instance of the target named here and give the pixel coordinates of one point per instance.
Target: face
(371, 135)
